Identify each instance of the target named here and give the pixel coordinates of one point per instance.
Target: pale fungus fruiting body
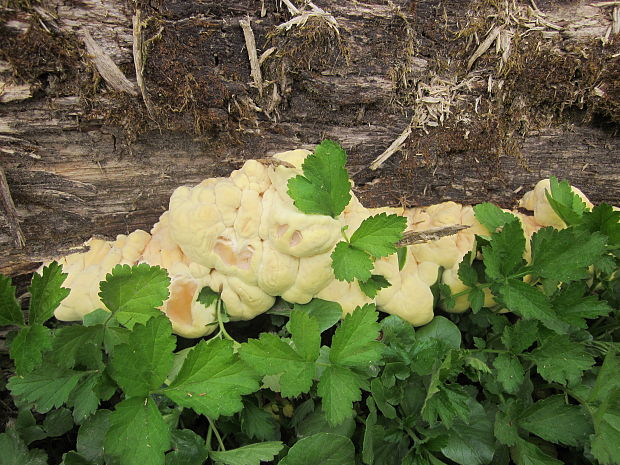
(244, 238)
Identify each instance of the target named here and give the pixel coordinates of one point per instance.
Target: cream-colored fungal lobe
(86, 270)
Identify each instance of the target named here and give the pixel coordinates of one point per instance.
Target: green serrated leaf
(510, 372)
(561, 360)
(566, 204)
(324, 188)
(316, 422)
(251, 454)
(528, 302)
(321, 449)
(73, 458)
(607, 379)
(28, 346)
(492, 217)
(606, 439)
(339, 387)
(257, 423)
(526, 453)
(212, 380)
(355, 341)
(140, 366)
(504, 255)
(46, 387)
(133, 294)
(77, 344)
(145, 435)
(270, 355)
(466, 272)
(46, 293)
(326, 313)
(10, 311)
(58, 422)
(189, 449)
(208, 296)
(15, 452)
(84, 399)
(471, 443)
(605, 219)
(520, 336)
(553, 420)
(378, 234)
(565, 255)
(373, 285)
(505, 427)
(350, 264)
(377, 390)
(574, 307)
(91, 436)
(448, 403)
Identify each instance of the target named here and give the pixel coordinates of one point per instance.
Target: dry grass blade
(274, 162)
(429, 235)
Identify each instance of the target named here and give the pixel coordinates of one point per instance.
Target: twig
(484, 46)
(250, 44)
(10, 212)
(109, 71)
(275, 162)
(392, 149)
(433, 234)
(603, 4)
(138, 59)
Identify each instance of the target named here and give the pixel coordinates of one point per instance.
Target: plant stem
(213, 428)
(220, 323)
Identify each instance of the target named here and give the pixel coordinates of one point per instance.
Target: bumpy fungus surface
(243, 237)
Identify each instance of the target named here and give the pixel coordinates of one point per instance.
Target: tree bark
(106, 107)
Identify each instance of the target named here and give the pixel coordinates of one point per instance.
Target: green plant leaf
(28, 346)
(574, 307)
(350, 264)
(605, 219)
(448, 403)
(510, 372)
(207, 296)
(58, 422)
(133, 294)
(442, 329)
(561, 360)
(212, 380)
(73, 458)
(528, 302)
(492, 217)
(140, 366)
(46, 293)
(324, 188)
(401, 253)
(526, 453)
(321, 449)
(607, 379)
(339, 387)
(84, 399)
(520, 336)
(378, 234)
(373, 285)
(565, 255)
(251, 454)
(270, 355)
(568, 205)
(47, 387)
(77, 344)
(606, 440)
(504, 254)
(258, 423)
(15, 452)
(189, 449)
(471, 443)
(326, 313)
(355, 341)
(553, 420)
(91, 436)
(10, 310)
(137, 433)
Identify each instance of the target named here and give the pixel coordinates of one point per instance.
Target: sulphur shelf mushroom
(243, 237)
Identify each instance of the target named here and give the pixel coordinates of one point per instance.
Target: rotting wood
(10, 212)
(250, 45)
(138, 59)
(109, 71)
(78, 169)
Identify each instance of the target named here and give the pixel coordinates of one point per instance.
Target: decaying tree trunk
(106, 106)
